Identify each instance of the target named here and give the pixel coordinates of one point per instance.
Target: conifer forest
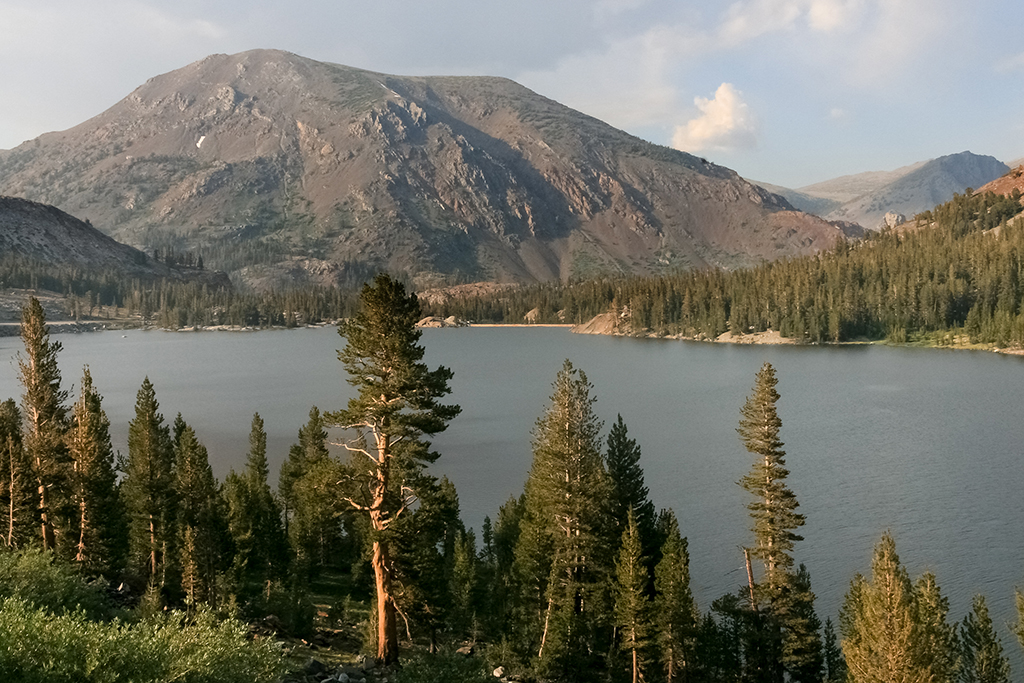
(951, 276)
(144, 567)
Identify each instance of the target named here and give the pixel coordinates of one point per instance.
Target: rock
(350, 673)
(342, 678)
(465, 650)
(314, 667)
(366, 663)
(892, 219)
(499, 672)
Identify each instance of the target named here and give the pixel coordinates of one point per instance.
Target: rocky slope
(1005, 185)
(866, 198)
(281, 168)
(47, 234)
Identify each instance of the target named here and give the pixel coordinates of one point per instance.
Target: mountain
(865, 198)
(45, 233)
(282, 169)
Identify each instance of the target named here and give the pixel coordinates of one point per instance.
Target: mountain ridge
(278, 164)
(865, 198)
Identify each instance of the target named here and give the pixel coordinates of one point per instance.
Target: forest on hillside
(173, 303)
(146, 568)
(955, 274)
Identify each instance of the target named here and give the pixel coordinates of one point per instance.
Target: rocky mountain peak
(265, 158)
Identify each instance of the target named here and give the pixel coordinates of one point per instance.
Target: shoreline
(768, 338)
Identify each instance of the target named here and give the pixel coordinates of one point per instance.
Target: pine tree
(397, 404)
(790, 635)
(835, 665)
(628, 491)
(310, 449)
(148, 489)
(465, 588)
(17, 493)
(774, 507)
(802, 647)
(94, 484)
(676, 612)
(878, 623)
(46, 419)
(981, 652)
(200, 518)
(632, 609)
(308, 486)
(562, 559)
(254, 520)
(937, 646)
(425, 544)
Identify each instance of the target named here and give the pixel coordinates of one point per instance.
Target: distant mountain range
(282, 169)
(865, 198)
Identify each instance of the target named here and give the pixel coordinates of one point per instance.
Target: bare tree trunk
(10, 503)
(387, 632)
(152, 550)
(750, 579)
(544, 636)
(80, 557)
(44, 515)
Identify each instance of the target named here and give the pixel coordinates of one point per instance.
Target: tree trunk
(44, 516)
(387, 631)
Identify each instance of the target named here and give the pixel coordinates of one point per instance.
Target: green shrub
(38, 647)
(35, 577)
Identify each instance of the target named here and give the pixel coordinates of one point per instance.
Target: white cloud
(726, 123)
(837, 114)
(832, 15)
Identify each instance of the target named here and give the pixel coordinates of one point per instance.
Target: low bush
(37, 646)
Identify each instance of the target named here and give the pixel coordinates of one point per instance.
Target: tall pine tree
(562, 559)
(46, 421)
(789, 637)
(632, 608)
(628, 490)
(676, 615)
(981, 652)
(148, 490)
(98, 520)
(200, 519)
(17, 492)
(397, 404)
(878, 623)
(261, 551)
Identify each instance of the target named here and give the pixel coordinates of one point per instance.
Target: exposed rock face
(891, 219)
(286, 162)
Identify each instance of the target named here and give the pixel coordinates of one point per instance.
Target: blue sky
(784, 91)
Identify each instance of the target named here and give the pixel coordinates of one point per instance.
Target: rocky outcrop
(891, 219)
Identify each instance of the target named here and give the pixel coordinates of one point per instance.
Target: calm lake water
(924, 442)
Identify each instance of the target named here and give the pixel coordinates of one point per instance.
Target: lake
(924, 442)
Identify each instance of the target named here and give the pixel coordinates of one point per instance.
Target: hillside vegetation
(955, 274)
